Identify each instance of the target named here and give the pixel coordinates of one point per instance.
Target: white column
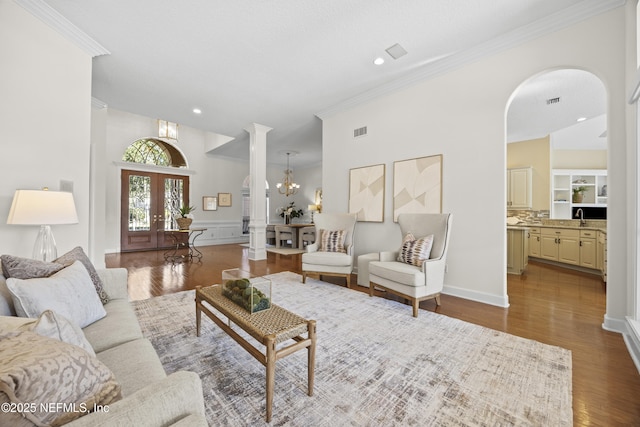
(257, 187)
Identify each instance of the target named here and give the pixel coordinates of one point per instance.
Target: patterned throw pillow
(26, 268)
(38, 371)
(77, 254)
(415, 251)
(69, 292)
(332, 241)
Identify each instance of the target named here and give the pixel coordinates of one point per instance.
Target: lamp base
(45, 247)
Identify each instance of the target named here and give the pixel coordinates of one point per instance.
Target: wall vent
(357, 133)
(553, 100)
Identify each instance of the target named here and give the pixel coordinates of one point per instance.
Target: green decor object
(578, 194)
(251, 293)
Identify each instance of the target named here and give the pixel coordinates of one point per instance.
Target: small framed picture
(209, 203)
(224, 199)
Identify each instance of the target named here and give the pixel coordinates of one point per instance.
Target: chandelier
(288, 186)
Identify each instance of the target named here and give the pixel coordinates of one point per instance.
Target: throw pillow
(69, 292)
(59, 327)
(332, 240)
(25, 268)
(38, 371)
(77, 254)
(415, 251)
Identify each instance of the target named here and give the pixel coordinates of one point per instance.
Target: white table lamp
(43, 208)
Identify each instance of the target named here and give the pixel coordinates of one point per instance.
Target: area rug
(376, 365)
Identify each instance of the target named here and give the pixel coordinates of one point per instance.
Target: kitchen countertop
(564, 224)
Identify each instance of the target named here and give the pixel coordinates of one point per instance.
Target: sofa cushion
(398, 272)
(68, 292)
(135, 365)
(26, 268)
(49, 325)
(119, 326)
(336, 259)
(39, 370)
(77, 254)
(6, 303)
(415, 251)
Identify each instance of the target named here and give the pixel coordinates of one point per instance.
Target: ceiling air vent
(553, 100)
(357, 133)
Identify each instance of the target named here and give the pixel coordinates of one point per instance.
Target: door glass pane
(139, 203)
(173, 201)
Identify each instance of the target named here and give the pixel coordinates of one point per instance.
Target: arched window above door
(152, 151)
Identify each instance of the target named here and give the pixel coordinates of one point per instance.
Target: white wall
(45, 108)
(462, 114)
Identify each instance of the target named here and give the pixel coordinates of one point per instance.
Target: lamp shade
(42, 207)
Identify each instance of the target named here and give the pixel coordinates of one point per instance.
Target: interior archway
(568, 109)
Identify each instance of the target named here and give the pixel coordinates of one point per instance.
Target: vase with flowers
(290, 211)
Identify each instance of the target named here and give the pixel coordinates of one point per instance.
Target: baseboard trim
(632, 340)
(483, 297)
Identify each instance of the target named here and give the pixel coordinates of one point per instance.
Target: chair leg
(349, 281)
(437, 300)
(304, 277)
(370, 289)
(415, 306)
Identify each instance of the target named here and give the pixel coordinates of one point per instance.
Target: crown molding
(557, 21)
(62, 25)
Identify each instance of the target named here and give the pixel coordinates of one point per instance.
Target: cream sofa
(149, 396)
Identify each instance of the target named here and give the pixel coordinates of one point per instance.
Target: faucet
(580, 213)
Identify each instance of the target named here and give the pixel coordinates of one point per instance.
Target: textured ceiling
(278, 63)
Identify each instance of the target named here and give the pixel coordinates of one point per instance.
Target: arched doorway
(562, 111)
(151, 201)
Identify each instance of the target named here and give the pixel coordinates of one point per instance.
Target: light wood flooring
(549, 304)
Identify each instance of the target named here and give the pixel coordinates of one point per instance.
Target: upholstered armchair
(306, 235)
(406, 273)
(332, 252)
(283, 233)
(271, 234)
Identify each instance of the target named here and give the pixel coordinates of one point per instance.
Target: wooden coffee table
(269, 327)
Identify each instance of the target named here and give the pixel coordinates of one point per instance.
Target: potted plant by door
(183, 221)
(578, 194)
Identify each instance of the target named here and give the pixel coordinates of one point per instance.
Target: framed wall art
(417, 186)
(224, 199)
(209, 203)
(366, 193)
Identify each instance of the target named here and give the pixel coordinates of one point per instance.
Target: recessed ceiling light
(378, 61)
(582, 119)
(197, 111)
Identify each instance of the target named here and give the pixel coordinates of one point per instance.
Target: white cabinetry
(519, 188)
(565, 180)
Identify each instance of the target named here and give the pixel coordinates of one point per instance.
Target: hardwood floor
(549, 304)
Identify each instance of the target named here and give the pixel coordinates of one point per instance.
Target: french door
(149, 202)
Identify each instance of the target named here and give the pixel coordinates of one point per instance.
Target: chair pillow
(77, 254)
(26, 268)
(69, 292)
(38, 371)
(415, 251)
(332, 241)
(56, 326)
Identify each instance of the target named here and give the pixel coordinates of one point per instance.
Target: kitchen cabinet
(534, 242)
(565, 180)
(519, 188)
(517, 250)
(602, 254)
(561, 245)
(588, 249)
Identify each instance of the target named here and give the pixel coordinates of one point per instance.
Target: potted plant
(578, 194)
(184, 222)
(289, 212)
